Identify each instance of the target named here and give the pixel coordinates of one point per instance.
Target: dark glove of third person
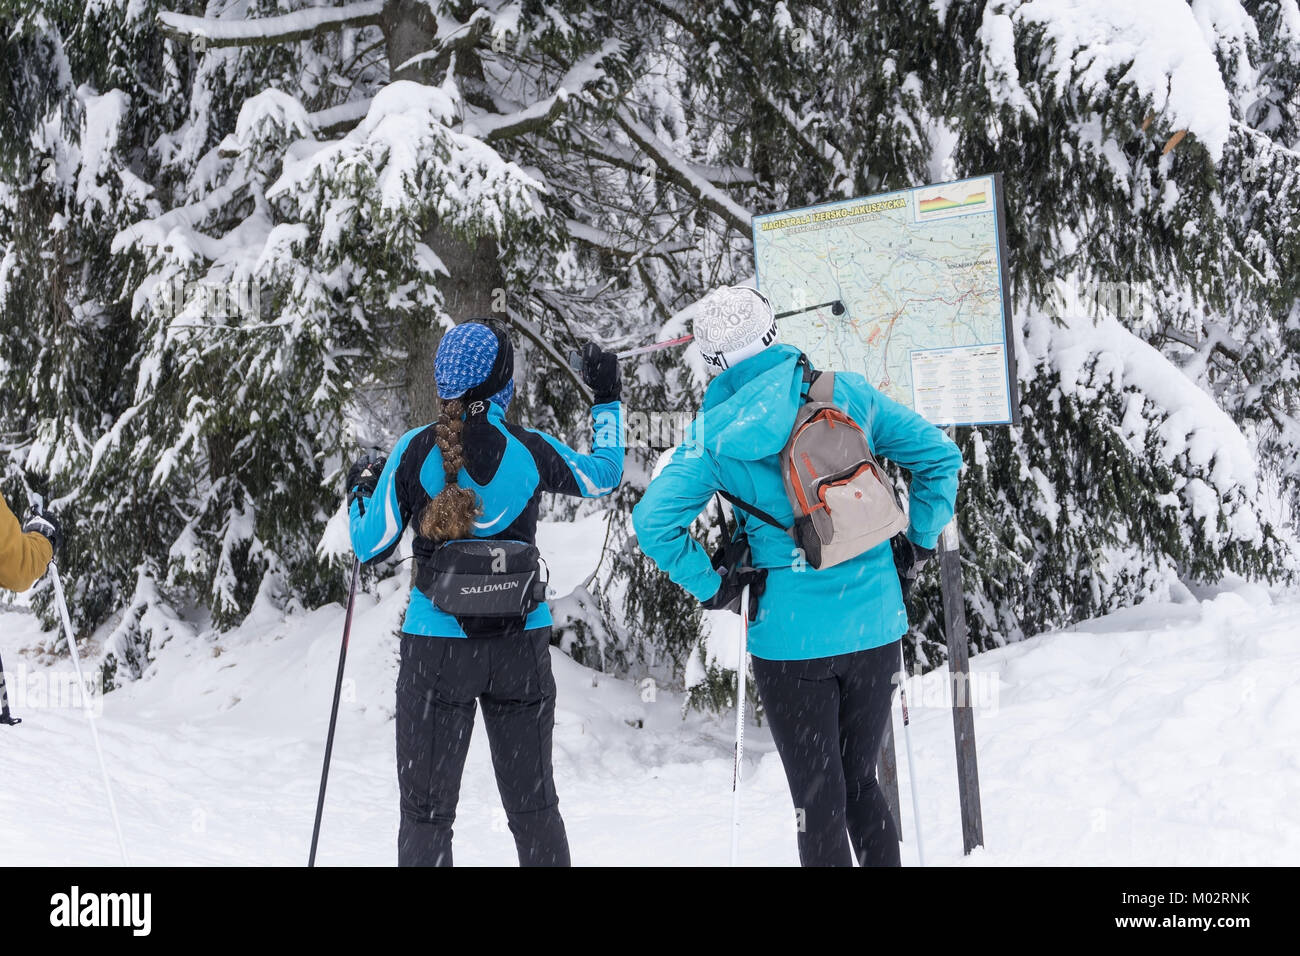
(910, 559)
(45, 523)
(601, 373)
(732, 588)
(363, 477)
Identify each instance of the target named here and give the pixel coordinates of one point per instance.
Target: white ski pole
(911, 761)
(740, 725)
(575, 357)
(90, 711)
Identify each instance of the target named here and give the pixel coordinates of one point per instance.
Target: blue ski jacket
(509, 466)
(734, 444)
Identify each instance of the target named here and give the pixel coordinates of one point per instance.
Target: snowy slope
(1161, 734)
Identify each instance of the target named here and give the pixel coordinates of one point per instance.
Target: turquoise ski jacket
(509, 467)
(734, 444)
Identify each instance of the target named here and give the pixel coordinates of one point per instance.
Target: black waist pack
(483, 578)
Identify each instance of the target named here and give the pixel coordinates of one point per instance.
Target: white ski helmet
(732, 324)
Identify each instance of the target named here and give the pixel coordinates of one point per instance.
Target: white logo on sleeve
(132, 910)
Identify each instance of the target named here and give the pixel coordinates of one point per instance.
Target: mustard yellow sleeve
(23, 557)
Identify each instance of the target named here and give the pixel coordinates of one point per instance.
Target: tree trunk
(473, 276)
(409, 29)
(473, 270)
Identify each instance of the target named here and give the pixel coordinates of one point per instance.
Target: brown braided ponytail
(451, 514)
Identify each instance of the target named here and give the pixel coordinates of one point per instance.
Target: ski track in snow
(1161, 734)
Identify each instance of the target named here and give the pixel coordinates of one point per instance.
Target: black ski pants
(440, 682)
(828, 717)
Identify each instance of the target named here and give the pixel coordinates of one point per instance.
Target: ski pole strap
(758, 513)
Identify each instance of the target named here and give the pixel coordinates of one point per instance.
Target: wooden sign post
(963, 717)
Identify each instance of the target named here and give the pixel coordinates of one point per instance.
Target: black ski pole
(334, 710)
(6, 718)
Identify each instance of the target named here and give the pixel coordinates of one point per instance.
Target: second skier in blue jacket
(824, 642)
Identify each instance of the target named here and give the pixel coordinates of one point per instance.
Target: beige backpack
(844, 504)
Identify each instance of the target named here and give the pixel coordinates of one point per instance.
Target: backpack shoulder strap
(758, 513)
(822, 388)
(821, 385)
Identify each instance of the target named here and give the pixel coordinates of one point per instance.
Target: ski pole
(6, 718)
(575, 357)
(740, 725)
(334, 709)
(62, 603)
(911, 762)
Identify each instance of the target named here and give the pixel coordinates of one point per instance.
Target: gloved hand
(601, 373)
(44, 522)
(909, 559)
(363, 477)
(732, 588)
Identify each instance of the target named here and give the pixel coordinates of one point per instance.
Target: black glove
(909, 559)
(45, 523)
(601, 373)
(732, 589)
(363, 477)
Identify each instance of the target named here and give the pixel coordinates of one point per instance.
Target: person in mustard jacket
(27, 549)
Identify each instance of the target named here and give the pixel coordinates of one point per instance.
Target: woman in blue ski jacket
(824, 642)
(473, 476)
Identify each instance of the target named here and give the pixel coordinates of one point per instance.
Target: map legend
(959, 386)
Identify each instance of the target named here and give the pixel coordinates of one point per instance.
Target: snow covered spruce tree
(307, 200)
(1128, 129)
(80, 95)
(499, 164)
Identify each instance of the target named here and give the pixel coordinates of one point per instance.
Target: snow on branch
(616, 154)
(493, 128)
(538, 116)
(1157, 47)
(265, 31)
(593, 236)
(337, 120)
(823, 149)
(155, 232)
(679, 173)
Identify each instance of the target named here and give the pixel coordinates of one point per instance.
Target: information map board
(922, 276)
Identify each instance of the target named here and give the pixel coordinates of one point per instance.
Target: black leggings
(440, 682)
(828, 716)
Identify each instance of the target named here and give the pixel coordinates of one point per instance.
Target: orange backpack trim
(831, 415)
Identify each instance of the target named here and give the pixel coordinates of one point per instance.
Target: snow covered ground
(1163, 734)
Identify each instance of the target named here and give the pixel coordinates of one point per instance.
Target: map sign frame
(958, 381)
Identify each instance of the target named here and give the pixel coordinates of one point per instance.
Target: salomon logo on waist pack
(486, 588)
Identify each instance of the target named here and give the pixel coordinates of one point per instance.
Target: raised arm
(564, 471)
